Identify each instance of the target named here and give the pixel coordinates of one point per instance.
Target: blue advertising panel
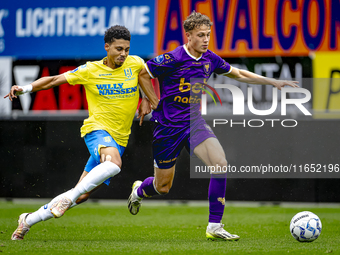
(72, 29)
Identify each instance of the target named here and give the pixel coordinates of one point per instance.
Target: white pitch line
(193, 203)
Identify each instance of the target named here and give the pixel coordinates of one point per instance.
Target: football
(305, 226)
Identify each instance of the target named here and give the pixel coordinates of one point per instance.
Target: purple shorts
(169, 141)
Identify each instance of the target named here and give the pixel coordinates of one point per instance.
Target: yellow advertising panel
(326, 85)
(254, 28)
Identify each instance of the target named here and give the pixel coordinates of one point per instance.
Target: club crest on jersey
(159, 59)
(128, 73)
(207, 67)
(107, 139)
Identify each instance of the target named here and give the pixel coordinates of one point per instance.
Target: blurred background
(42, 153)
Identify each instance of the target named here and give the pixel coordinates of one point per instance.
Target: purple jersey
(180, 100)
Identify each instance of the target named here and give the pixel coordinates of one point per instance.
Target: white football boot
(22, 228)
(134, 202)
(219, 234)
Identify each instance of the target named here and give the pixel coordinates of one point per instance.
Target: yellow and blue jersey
(112, 96)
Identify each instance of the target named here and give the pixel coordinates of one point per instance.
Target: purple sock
(147, 189)
(217, 189)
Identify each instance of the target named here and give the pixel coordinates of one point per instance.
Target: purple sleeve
(221, 66)
(160, 65)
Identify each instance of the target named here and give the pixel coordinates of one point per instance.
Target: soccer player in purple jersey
(178, 122)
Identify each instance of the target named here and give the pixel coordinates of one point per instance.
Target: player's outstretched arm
(40, 84)
(144, 81)
(252, 78)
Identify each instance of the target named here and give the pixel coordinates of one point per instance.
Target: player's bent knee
(220, 166)
(112, 168)
(108, 158)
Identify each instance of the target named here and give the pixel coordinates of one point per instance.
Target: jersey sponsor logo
(195, 88)
(105, 74)
(121, 96)
(159, 59)
(188, 100)
(45, 206)
(207, 67)
(186, 86)
(115, 89)
(110, 86)
(128, 73)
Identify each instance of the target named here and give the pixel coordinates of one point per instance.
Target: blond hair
(196, 20)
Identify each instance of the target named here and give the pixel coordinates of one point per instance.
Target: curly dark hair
(117, 32)
(195, 20)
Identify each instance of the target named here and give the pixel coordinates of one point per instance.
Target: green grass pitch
(177, 229)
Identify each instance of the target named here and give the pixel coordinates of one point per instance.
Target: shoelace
(221, 230)
(64, 204)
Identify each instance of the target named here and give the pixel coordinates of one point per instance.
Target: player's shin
(44, 212)
(217, 189)
(147, 188)
(94, 178)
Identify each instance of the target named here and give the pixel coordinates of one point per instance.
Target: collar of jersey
(187, 51)
(109, 68)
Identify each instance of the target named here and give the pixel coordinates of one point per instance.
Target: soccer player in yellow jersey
(112, 93)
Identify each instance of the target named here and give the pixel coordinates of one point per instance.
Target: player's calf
(83, 198)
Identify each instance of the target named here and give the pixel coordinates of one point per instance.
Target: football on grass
(305, 226)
